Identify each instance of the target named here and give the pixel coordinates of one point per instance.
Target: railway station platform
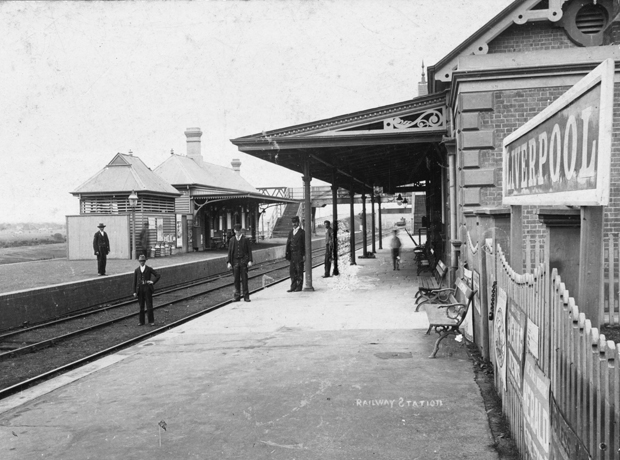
(341, 372)
(40, 273)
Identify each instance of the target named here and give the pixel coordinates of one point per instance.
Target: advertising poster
(565, 444)
(515, 331)
(160, 229)
(532, 338)
(468, 323)
(476, 287)
(536, 410)
(499, 335)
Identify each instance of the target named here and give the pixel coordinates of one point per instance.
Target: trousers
(101, 262)
(145, 298)
(297, 272)
(240, 271)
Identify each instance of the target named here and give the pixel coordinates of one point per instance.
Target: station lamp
(133, 202)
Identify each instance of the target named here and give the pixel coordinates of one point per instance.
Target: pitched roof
(181, 170)
(126, 173)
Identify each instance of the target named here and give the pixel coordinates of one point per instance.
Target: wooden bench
(433, 283)
(447, 318)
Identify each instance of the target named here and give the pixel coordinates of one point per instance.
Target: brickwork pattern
(611, 223)
(531, 37)
(511, 110)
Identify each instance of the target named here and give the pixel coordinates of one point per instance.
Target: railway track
(32, 355)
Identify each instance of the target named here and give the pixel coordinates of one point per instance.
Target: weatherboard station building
(190, 205)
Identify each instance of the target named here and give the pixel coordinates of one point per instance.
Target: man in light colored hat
(101, 246)
(144, 279)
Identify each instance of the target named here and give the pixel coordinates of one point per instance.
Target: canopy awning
(218, 194)
(384, 147)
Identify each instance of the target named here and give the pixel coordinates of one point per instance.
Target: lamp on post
(133, 202)
(399, 199)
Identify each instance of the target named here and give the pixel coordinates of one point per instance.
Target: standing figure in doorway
(143, 287)
(329, 248)
(296, 255)
(395, 246)
(239, 260)
(144, 240)
(101, 246)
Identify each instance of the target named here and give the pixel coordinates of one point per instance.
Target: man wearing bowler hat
(296, 255)
(101, 246)
(239, 260)
(144, 279)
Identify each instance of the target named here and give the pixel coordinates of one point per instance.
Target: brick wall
(612, 212)
(532, 36)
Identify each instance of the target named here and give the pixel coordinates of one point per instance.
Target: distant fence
(558, 377)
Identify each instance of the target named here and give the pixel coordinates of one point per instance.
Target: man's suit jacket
(239, 249)
(101, 243)
(149, 273)
(296, 244)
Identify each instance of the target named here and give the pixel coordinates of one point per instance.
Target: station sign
(562, 156)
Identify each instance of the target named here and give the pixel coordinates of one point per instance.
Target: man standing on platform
(101, 246)
(296, 255)
(144, 239)
(239, 260)
(143, 287)
(329, 248)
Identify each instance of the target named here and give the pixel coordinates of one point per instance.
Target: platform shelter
(212, 198)
(104, 198)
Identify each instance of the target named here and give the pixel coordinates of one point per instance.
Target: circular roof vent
(591, 19)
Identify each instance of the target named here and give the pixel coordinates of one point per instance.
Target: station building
(189, 204)
(449, 142)
(213, 198)
(515, 143)
(104, 198)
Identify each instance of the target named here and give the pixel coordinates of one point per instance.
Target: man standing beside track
(239, 260)
(296, 255)
(101, 246)
(329, 248)
(143, 287)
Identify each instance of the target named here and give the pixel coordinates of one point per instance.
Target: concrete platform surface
(341, 372)
(49, 272)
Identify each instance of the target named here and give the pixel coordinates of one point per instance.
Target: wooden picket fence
(583, 368)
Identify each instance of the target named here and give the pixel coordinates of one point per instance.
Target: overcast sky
(81, 81)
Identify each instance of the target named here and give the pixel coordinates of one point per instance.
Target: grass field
(28, 245)
(28, 253)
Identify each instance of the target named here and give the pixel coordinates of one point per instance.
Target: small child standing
(395, 245)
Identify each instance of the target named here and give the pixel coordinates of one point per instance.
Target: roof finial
(422, 86)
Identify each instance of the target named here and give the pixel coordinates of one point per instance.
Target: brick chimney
(194, 149)
(236, 165)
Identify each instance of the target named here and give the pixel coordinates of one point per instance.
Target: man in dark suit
(144, 239)
(144, 279)
(101, 246)
(296, 255)
(329, 248)
(239, 260)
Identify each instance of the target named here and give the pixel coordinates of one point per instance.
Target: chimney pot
(236, 165)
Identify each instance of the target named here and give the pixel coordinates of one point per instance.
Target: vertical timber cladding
(563, 155)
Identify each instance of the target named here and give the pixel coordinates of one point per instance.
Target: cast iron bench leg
(441, 337)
